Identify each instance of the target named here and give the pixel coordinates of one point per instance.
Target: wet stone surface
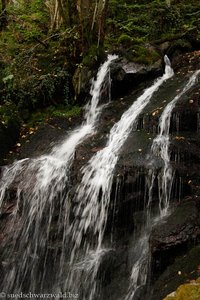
(129, 195)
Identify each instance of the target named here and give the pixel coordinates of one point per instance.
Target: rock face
(175, 233)
(182, 227)
(51, 134)
(130, 189)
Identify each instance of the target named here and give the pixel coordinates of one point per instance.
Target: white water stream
(93, 193)
(41, 191)
(160, 148)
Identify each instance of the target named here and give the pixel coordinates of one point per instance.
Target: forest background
(49, 49)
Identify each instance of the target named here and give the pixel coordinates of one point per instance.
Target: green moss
(125, 39)
(189, 291)
(61, 111)
(144, 55)
(75, 111)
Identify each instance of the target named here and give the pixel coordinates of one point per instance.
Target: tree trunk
(92, 18)
(103, 7)
(59, 13)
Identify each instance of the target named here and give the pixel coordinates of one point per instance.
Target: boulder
(127, 75)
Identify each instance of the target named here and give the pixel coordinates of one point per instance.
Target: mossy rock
(144, 55)
(189, 291)
(127, 40)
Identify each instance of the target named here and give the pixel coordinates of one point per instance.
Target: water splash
(93, 193)
(41, 186)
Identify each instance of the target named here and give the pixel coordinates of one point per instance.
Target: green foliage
(9, 112)
(149, 20)
(35, 63)
(29, 94)
(60, 111)
(166, 20)
(28, 21)
(8, 79)
(9, 42)
(92, 56)
(136, 25)
(43, 91)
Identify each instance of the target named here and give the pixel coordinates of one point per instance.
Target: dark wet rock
(176, 48)
(133, 161)
(126, 211)
(193, 37)
(190, 61)
(1, 270)
(113, 272)
(181, 226)
(127, 75)
(172, 237)
(182, 270)
(8, 137)
(48, 135)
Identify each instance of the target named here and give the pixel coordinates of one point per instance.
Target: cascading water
(41, 192)
(93, 197)
(160, 148)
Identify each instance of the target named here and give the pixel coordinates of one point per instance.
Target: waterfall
(41, 186)
(93, 197)
(160, 148)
